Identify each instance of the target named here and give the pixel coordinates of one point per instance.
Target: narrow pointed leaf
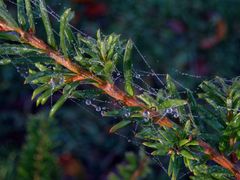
(171, 87)
(30, 16)
(21, 12)
(119, 125)
(9, 36)
(171, 103)
(11, 49)
(5, 61)
(58, 104)
(47, 24)
(39, 90)
(127, 68)
(188, 154)
(108, 69)
(65, 18)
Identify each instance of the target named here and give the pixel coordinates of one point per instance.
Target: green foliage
(215, 120)
(223, 97)
(136, 166)
(37, 161)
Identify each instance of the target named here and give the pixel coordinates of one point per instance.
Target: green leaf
(119, 125)
(108, 69)
(64, 24)
(170, 165)
(30, 16)
(176, 168)
(58, 104)
(172, 89)
(127, 68)
(188, 154)
(187, 127)
(193, 143)
(44, 97)
(86, 93)
(5, 15)
(171, 103)
(47, 24)
(148, 100)
(183, 142)
(5, 61)
(39, 90)
(9, 36)
(11, 49)
(21, 12)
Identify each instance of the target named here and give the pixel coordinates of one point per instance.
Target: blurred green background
(197, 37)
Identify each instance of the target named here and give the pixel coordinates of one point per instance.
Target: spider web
(142, 79)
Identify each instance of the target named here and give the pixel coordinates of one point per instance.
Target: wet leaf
(127, 68)
(119, 125)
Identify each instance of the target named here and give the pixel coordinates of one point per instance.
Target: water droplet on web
(169, 110)
(146, 116)
(138, 76)
(145, 119)
(98, 109)
(127, 114)
(176, 115)
(88, 102)
(104, 108)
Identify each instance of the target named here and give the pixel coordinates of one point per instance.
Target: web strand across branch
(113, 91)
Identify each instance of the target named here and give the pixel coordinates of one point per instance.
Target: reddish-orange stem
(113, 91)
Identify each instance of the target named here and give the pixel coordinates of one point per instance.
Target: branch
(114, 92)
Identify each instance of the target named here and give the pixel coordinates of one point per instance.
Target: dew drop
(169, 110)
(127, 114)
(176, 115)
(138, 76)
(145, 119)
(88, 102)
(98, 109)
(146, 114)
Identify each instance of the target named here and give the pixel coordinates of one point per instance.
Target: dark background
(200, 38)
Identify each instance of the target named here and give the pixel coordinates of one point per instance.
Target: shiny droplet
(145, 119)
(169, 110)
(98, 109)
(88, 102)
(176, 115)
(138, 76)
(146, 114)
(127, 114)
